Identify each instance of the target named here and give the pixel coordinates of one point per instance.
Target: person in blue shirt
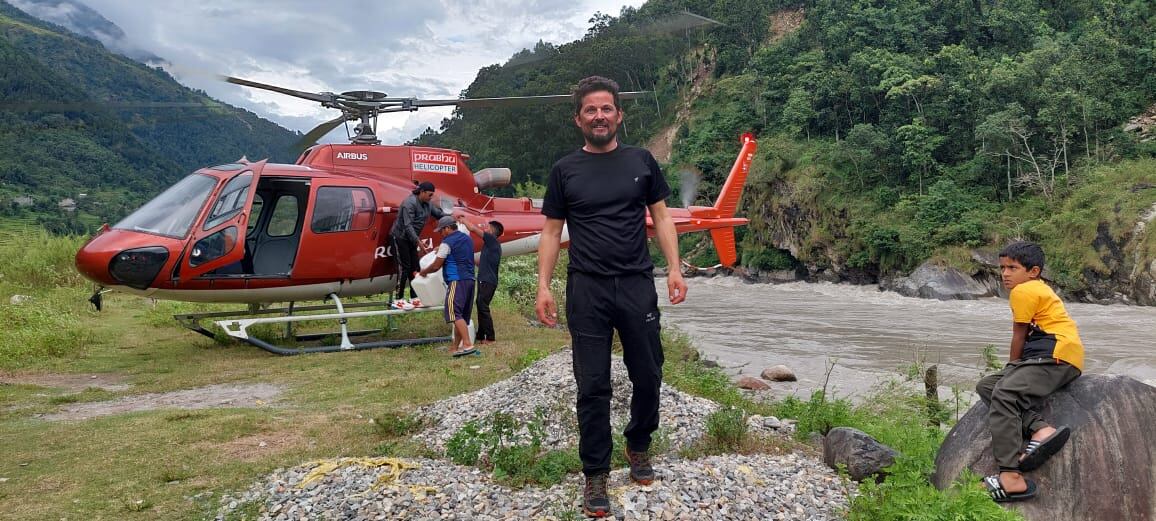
(455, 257)
(487, 284)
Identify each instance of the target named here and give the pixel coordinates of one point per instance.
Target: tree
(919, 143)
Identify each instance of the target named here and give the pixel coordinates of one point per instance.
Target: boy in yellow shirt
(1046, 354)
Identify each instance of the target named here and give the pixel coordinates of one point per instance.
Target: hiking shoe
(640, 469)
(595, 500)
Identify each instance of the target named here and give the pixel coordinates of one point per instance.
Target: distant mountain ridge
(77, 118)
(84, 21)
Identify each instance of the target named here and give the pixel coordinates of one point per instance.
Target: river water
(872, 336)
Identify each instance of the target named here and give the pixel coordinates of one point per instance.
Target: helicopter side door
(219, 239)
(342, 230)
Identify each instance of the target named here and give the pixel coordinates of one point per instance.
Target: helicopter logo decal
(387, 251)
(436, 162)
(353, 155)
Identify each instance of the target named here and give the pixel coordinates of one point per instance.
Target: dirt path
(224, 395)
(73, 383)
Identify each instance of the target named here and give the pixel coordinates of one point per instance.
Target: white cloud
(422, 48)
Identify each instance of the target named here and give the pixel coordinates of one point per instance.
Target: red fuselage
(256, 232)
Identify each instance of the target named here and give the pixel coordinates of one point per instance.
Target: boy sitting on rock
(1046, 354)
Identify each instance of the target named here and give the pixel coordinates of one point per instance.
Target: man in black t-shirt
(488, 262)
(601, 194)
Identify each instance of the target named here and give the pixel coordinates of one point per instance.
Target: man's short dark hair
(1028, 254)
(594, 84)
(497, 228)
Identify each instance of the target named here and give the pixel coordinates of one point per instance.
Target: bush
(727, 428)
(767, 259)
(514, 460)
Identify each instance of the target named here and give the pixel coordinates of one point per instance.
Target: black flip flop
(999, 495)
(470, 351)
(1038, 452)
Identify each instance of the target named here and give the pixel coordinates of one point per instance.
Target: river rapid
(871, 336)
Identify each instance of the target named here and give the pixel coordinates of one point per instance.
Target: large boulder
(1106, 471)
(933, 281)
(859, 453)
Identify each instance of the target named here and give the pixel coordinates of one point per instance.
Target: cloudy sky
(422, 48)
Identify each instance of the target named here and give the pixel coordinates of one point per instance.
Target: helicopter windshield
(172, 213)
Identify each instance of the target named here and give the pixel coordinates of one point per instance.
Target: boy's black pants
(1012, 395)
(405, 253)
(596, 306)
(485, 320)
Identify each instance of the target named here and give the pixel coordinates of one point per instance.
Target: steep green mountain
(892, 132)
(76, 119)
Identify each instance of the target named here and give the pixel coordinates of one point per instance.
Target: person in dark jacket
(405, 236)
(488, 264)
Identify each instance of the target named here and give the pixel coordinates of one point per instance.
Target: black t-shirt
(603, 198)
(491, 257)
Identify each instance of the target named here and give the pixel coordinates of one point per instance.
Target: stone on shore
(779, 373)
(862, 455)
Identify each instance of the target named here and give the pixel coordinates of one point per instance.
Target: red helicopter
(258, 232)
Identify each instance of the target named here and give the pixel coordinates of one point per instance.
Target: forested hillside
(892, 132)
(78, 119)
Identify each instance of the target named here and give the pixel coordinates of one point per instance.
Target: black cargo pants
(596, 306)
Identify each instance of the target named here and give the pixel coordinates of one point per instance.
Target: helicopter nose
(119, 258)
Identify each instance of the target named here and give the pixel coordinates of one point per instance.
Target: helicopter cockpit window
(283, 220)
(342, 209)
(214, 246)
(231, 201)
(171, 214)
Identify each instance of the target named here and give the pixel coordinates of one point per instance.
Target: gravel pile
(731, 487)
(738, 487)
(547, 387)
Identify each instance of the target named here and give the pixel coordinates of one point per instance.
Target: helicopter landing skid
(238, 327)
(192, 321)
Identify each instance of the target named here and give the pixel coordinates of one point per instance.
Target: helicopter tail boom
(720, 219)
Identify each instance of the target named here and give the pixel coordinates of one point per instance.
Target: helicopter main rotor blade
(309, 139)
(513, 100)
(41, 106)
(295, 93)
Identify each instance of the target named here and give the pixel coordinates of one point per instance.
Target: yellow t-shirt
(1053, 333)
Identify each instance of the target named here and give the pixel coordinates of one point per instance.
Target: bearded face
(599, 119)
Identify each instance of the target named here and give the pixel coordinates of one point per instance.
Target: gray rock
(779, 373)
(1104, 472)
(941, 282)
(860, 453)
